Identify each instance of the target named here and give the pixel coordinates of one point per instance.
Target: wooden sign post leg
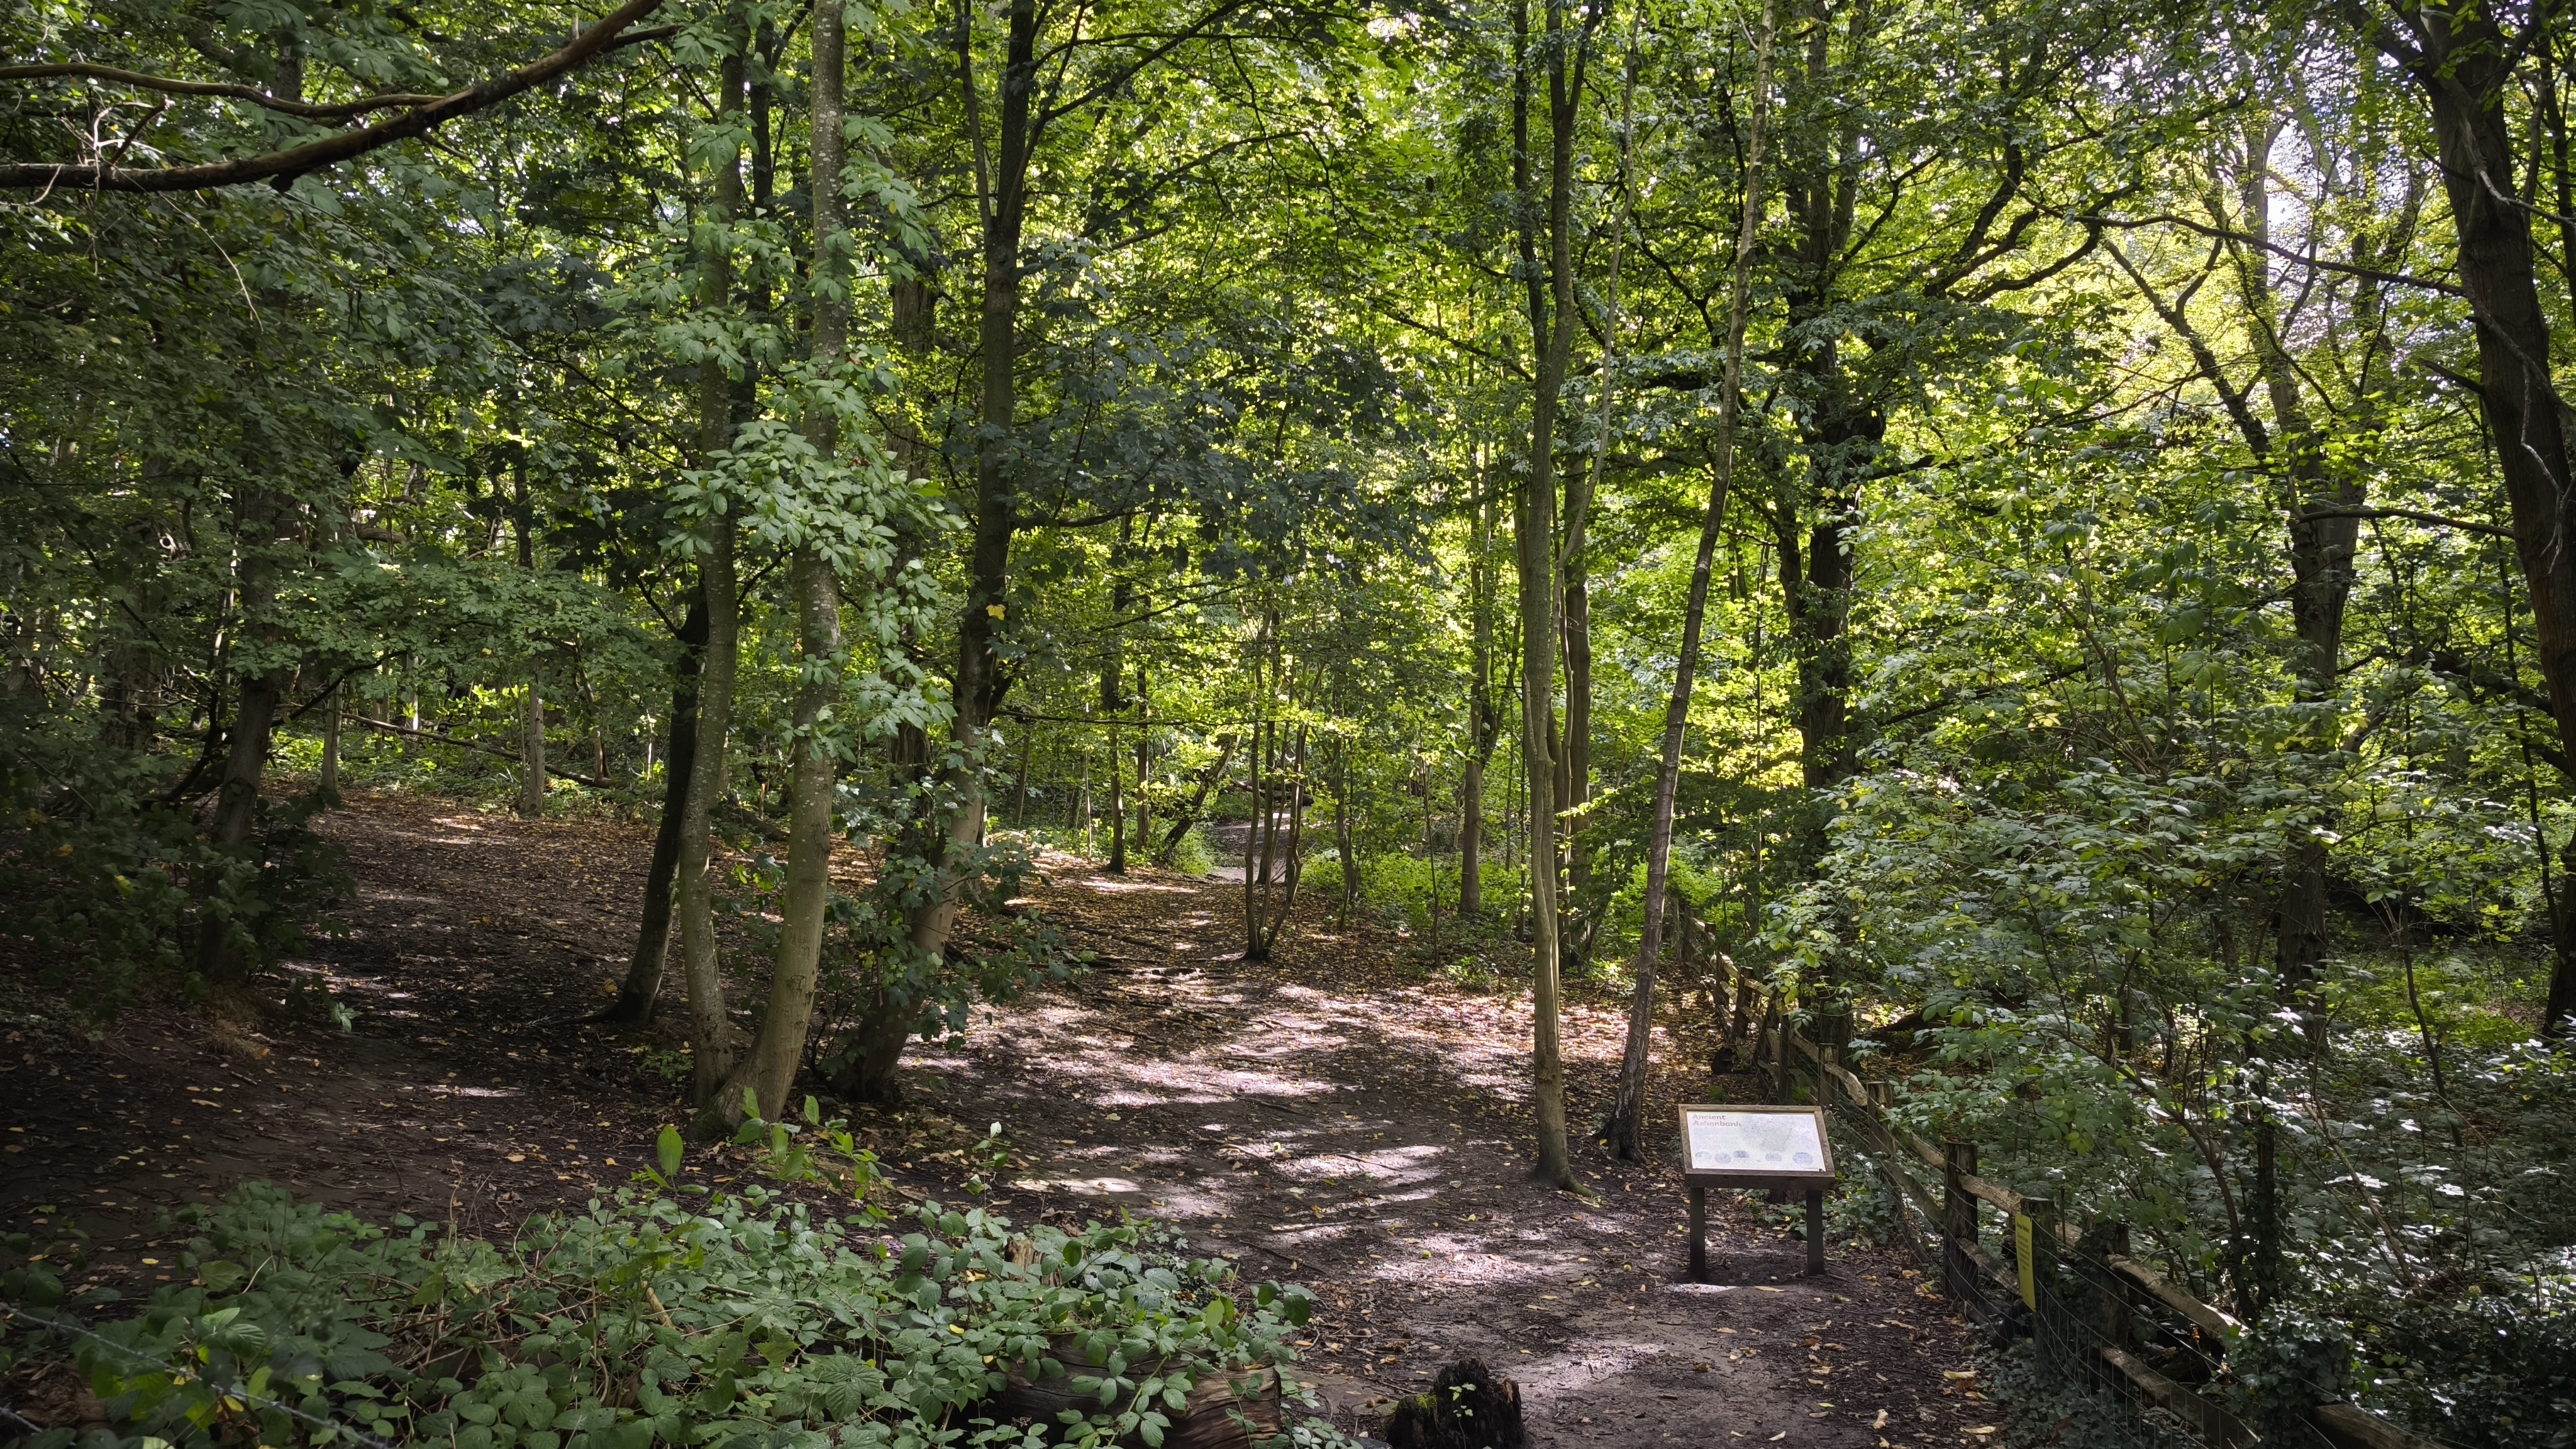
(1815, 1232)
(1699, 1230)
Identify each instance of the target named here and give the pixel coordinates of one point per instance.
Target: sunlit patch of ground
(1369, 1135)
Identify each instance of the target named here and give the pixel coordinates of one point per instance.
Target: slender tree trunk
(532, 718)
(760, 1084)
(1256, 850)
(701, 966)
(2321, 553)
(762, 1080)
(1471, 835)
(1002, 196)
(1575, 760)
(1551, 315)
(1020, 813)
(1345, 846)
(1183, 819)
(1481, 725)
(1292, 866)
(1628, 1112)
(641, 992)
(1111, 706)
(331, 745)
(225, 966)
(1144, 761)
(701, 963)
(532, 746)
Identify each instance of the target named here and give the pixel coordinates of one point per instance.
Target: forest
(2020, 549)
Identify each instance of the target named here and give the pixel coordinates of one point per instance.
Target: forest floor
(1335, 1117)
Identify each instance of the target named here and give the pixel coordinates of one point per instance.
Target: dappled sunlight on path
(1369, 1133)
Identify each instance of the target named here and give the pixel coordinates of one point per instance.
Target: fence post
(2108, 1307)
(2047, 1314)
(1762, 1052)
(1959, 1211)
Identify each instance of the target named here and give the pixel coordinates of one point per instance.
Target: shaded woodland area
(2023, 545)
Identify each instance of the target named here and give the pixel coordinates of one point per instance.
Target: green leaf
(668, 1148)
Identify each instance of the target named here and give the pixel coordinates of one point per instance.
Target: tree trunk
(2464, 67)
(1144, 760)
(760, 1084)
(1110, 707)
(532, 747)
(1345, 845)
(1020, 813)
(1183, 819)
(225, 965)
(1628, 1111)
(1471, 835)
(1575, 763)
(532, 714)
(1482, 726)
(1002, 194)
(220, 959)
(331, 745)
(641, 992)
(1256, 851)
(1550, 300)
(701, 962)
(2321, 554)
(1292, 865)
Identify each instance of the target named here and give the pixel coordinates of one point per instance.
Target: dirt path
(1325, 1119)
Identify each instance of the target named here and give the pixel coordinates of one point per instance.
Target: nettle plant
(671, 1313)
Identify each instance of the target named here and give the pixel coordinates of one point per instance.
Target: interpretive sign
(1783, 1148)
(1770, 1144)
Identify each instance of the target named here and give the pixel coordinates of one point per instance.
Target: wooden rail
(1967, 1267)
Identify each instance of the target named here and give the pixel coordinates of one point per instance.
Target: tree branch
(2415, 514)
(441, 737)
(2220, 233)
(297, 160)
(253, 94)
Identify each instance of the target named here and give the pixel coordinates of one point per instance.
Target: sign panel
(2022, 1247)
(1766, 1143)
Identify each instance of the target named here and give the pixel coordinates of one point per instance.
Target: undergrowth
(670, 1313)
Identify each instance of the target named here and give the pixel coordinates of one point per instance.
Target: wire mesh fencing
(2121, 1354)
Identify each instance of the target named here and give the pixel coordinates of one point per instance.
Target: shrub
(651, 1318)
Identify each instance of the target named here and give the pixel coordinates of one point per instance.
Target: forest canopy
(2033, 533)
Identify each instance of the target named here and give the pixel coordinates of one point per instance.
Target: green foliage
(652, 1318)
(1409, 889)
(2284, 1366)
(119, 886)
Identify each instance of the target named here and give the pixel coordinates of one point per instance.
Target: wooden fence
(2097, 1316)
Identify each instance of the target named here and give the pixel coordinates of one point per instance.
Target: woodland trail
(1330, 1118)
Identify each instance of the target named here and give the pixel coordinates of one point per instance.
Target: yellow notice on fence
(2021, 1258)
